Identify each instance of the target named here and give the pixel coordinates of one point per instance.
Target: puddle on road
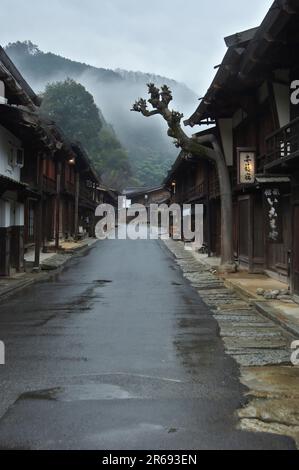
(274, 400)
(80, 393)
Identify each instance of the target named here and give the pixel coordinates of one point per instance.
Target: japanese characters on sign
(272, 197)
(246, 167)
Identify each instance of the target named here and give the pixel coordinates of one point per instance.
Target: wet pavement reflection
(118, 351)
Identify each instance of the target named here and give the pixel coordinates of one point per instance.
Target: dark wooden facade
(19, 142)
(53, 192)
(251, 96)
(193, 181)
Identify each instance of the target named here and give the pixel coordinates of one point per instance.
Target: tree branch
(160, 100)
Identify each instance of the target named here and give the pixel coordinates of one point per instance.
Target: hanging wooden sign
(273, 215)
(246, 166)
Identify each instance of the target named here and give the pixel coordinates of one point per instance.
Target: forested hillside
(74, 110)
(150, 151)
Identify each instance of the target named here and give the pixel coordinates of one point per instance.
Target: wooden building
(90, 192)
(21, 140)
(49, 189)
(194, 181)
(147, 196)
(48, 219)
(256, 122)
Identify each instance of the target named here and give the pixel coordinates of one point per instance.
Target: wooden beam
(77, 189)
(38, 214)
(58, 181)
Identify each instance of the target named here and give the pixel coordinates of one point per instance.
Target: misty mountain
(150, 150)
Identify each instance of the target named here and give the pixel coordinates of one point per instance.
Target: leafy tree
(74, 110)
(150, 170)
(70, 105)
(112, 159)
(23, 48)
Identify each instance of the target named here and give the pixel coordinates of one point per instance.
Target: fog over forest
(150, 151)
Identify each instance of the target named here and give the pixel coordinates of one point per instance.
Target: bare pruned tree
(159, 101)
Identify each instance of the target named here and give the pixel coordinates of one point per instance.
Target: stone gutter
(284, 314)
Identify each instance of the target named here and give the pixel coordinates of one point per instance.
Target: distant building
(146, 196)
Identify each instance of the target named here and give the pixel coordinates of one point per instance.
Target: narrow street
(119, 352)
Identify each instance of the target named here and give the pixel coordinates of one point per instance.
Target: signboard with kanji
(273, 215)
(246, 166)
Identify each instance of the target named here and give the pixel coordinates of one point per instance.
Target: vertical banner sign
(273, 215)
(247, 164)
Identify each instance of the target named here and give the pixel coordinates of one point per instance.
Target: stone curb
(260, 305)
(273, 315)
(263, 308)
(43, 275)
(241, 291)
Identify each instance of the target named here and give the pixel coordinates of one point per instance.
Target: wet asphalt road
(118, 352)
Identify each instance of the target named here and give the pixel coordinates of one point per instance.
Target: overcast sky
(180, 39)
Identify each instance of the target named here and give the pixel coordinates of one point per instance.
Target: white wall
(7, 142)
(282, 99)
(2, 92)
(239, 117)
(11, 213)
(5, 213)
(19, 215)
(281, 95)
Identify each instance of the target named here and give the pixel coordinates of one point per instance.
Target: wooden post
(38, 212)
(77, 188)
(58, 187)
(208, 209)
(45, 228)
